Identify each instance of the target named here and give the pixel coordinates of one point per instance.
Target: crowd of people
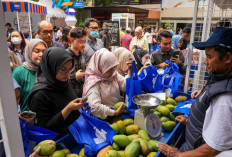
(53, 75)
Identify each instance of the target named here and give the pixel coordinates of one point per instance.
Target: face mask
(16, 40)
(146, 61)
(93, 34)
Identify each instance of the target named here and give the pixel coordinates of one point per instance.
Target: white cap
(128, 29)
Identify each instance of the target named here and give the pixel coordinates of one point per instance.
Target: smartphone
(28, 114)
(84, 99)
(175, 53)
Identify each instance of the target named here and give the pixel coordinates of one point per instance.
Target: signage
(67, 3)
(113, 26)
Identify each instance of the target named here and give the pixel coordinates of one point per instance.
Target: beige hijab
(123, 55)
(139, 29)
(29, 64)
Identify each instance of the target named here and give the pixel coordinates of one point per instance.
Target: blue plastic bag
(133, 87)
(184, 107)
(148, 79)
(157, 47)
(91, 132)
(171, 79)
(26, 145)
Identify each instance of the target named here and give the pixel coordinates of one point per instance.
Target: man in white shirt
(209, 127)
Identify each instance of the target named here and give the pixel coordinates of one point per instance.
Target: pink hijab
(101, 62)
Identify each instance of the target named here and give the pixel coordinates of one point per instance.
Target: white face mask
(16, 40)
(146, 61)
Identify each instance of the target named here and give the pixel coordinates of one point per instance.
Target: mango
(144, 150)
(154, 143)
(157, 113)
(150, 147)
(132, 150)
(115, 146)
(128, 121)
(164, 111)
(122, 153)
(121, 127)
(181, 99)
(115, 119)
(112, 153)
(171, 101)
(82, 153)
(162, 103)
(115, 127)
(121, 140)
(144, 135)
(171, 117)
(66, 151)
(139, 155)
(132, 129)
(130, 138)
(170, 107)
(47, 147)
(103, 151)
(164, 119)
(73, 155)
(151, 154)
(117, 105)
(58, 153)
(134, 136)
(169, 125)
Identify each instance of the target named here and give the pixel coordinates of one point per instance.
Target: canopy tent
(22, 6)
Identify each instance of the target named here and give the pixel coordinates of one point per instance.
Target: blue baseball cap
(221, 36)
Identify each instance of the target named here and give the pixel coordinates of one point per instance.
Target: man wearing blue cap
(209, 127)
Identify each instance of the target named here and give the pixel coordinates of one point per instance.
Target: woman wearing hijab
(123, 56)
(25, 74)
(52, 98)
(143, 59)
(103, 84)
(177, 41)
(139, 42)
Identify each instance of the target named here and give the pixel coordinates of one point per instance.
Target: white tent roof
(52, 12)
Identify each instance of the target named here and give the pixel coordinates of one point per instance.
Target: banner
(177, 3)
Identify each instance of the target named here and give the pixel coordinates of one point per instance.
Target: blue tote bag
(133, 87)
(171, 79)
(184, 107)
(148, 79)
(91, 132)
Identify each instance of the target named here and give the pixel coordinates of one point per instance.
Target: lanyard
(89, 42)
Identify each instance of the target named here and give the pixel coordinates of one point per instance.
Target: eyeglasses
(64, 72)
(94, 28)
(45, 32)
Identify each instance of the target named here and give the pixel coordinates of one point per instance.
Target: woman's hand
(120, 110)
(29, 120)
(195, 93)
(36, 153)
(144, 67)
(75, 104)
(182, 119)
(130, 64)
(80, 74)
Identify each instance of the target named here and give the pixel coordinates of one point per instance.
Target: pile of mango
(48, 148)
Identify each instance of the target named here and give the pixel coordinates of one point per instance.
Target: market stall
(23, 15)
(126, 20)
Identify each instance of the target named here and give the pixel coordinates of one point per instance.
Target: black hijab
(138, 54)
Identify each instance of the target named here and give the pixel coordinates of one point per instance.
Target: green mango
(121, 140)
(169, 125)
(67, 151)
(122, 153)
(164, 119)
(151, 154)
(171, 101)
(132, 150)
(134, 136)
(112, 153)
(115, 127)
(132, 129)
(154, 143)
(170, 107)
(181, 99)
(58, 153)
(171, 117)
(144, 150)
(47, 147)
(121, 127)
(149, 146)
(162, 103)
(73, 155)
(117, 105)
(157, 113)
(164, 111)
(115, 146)
(128, 121)
(144, 135)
